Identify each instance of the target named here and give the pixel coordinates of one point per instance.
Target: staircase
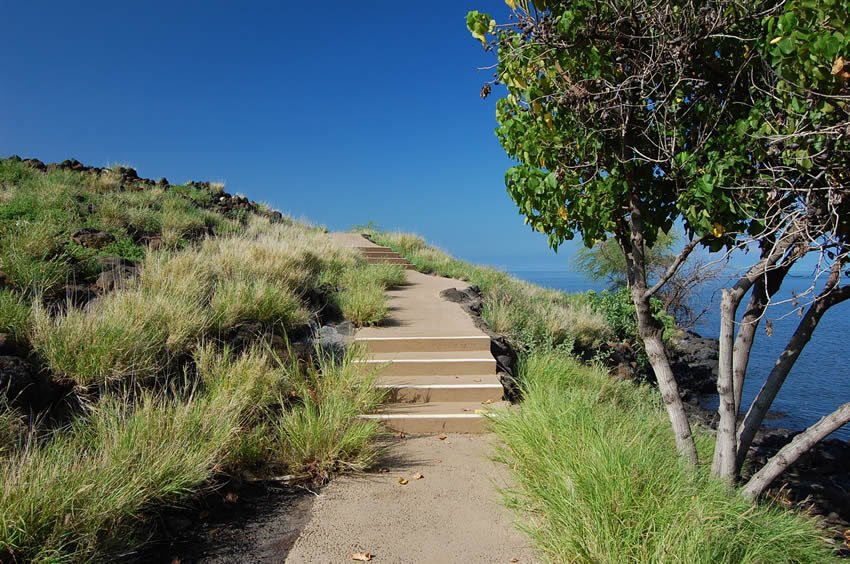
(432, 361)
(383, 255)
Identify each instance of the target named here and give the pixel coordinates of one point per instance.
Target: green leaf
(479, 25)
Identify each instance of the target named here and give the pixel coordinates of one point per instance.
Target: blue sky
(359, 111)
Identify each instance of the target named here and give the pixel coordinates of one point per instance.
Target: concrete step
(388, 260)
(379, 253)
(424, 344)
(436, 417)
(424, 389)
(375, 249)
(457, 363)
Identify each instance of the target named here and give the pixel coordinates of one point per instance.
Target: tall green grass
(598, 480)
(187, 407)
(361, 290)
(323, 433)
(81, 491)
(14, 314)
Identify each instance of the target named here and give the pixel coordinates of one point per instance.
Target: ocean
(819, 381)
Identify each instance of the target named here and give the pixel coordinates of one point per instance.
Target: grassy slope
(597, 476)
(167, 401)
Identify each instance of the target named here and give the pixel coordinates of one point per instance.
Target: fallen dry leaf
(231, 498)
(400, 435)
(513, 560)
(487, 402)
(383, 470)
(362, 556)
(417, 476)
(402, 481)
(442, 437)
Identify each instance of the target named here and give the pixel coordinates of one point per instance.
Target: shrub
(31, 258)
(80, 492)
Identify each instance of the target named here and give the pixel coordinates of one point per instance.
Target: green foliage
(78, 493)
(192, 408)
(363, 303)
(361, 290)
(129, 333)
(577, 139)
(598, 480)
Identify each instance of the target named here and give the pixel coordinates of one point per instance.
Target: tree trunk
(802, 335)
(650, 332)
(723, 465)
(792, 451)
(745, 339)
(764, 288)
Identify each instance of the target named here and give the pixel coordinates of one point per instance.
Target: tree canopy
(729, 116)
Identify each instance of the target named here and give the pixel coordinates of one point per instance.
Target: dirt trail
(452, 514)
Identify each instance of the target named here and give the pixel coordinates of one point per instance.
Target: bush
(598, 480)
(31, 256)
(81, 491)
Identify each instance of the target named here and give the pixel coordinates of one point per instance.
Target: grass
(12, 429)
(14, 314)
(361, 294)
(363, 303)
(79, 492)
(186, 407)
(181, 296)
(598, 480)
(322, 433)
(127, 334)
(239, 301)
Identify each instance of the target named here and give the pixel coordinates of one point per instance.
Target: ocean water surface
(819, 381)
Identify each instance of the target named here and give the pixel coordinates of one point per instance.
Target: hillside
(154, 336)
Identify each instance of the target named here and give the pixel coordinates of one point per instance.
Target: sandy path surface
(452, 514)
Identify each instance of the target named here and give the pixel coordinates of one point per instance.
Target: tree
(606, 261)
(799, 135)
(730, 116)
(620, 115)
